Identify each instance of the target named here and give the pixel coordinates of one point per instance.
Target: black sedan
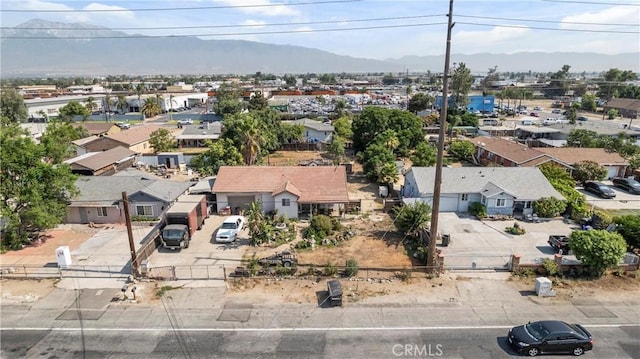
(550, 336)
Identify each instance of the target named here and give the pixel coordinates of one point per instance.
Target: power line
(227, 26)
(544, 21)
(550, 29)
(182, 8)
(225, 34)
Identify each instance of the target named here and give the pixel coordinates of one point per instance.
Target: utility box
(63, 256)
(144, 267)
(543, 287)
(383, 191)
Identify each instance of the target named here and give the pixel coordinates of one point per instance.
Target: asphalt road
(488, 342)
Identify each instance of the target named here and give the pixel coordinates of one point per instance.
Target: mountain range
(44, 48)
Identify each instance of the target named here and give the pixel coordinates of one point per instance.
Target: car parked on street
(628, 184)
(550, 336)
(556, 111)
(228, 231)
(599, 189)
(582, 118)
(186, 121)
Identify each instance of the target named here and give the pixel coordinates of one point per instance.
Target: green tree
(150, 107)
(258, 102)
(629, 227)
(588, 171)
(559, 83)
(588, 102)
(425, 155)
(492, 76)
(339, 106)
(228, 100)
(336, 148)
(122, 104)
(634, 162)
(562, 181)
(12, 107)
(139, 89)
(290, 133)
(375, 120)
(56, 140)
(572, 112)
(411, 219)
(219, 153)
(162, 140)
(71, 109)
(549, 207)
(581, 138)
(34, 193)
(613, 81)
(90, 104)
(342, 127)
(461, 150)
(598, 250)
(461, 81)
(419, 102)
(378, 164)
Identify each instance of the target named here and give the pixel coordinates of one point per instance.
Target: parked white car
(186, 121)
(228, 231)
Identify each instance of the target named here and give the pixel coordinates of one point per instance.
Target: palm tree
(150, 107)
(250, 139)
(122, 103)
(90, 103)
(159, 101)
(171, 108)
(139, 92)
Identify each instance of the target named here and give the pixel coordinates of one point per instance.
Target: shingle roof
(624, 103)
(97, 128)
(318, 184)
(134, 135)
(100, 160)
(525, 183)
(572, 155)
(508, 149)
(107, 191)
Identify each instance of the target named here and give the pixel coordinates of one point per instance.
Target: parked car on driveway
(228, 231)
(582, 118)
(628, 184)
(599, 189)
(550, 336)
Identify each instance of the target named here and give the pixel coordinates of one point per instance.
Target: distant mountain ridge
(53, 53)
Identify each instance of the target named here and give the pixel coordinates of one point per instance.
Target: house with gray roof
(100, 198)
(503, 190)
(102, 163)
(198, 135)
(315, 131)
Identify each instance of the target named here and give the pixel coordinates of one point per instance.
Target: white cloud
(272, 8)
(476, 41)
(128, 15)
(254, 24)
(613, 15)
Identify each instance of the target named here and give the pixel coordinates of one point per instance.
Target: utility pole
(435, 209)
(132, 248)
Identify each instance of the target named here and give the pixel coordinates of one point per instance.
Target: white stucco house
(503, 190)
(314, 130)
(289, 190)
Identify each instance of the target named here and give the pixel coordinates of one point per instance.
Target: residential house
(503, 190)
(602, 128)
(100, 128)
(136, 139)
(100, 198)
(615, 164)
(102, 163)
(315, 131)
(198, 135)
(289, 190)
(626, 107)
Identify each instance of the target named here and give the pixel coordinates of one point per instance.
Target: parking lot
(204, 259)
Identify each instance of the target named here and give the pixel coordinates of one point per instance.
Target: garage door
(612, 172)
(242, 202)
(449, 203)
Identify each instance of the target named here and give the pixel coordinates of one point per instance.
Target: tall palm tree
(122, 103)
(90, 103)
(139, 92)
(150, 107)
(251, 140)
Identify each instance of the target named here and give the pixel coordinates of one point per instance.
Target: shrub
(601, 220)
(525, 272)
(321, 226)
(284, 271)
(351, 268)
(598, 250)
(478, 209)
(404, 275)
(551, 267)
(548, 207)
(515, 230)
(330, 269)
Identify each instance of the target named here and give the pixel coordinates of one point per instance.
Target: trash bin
(335, 292)
(446, 239)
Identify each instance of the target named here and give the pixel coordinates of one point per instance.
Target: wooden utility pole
(435, 209)
(132, 248)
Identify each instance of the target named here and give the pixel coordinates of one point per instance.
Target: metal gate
(475, 262)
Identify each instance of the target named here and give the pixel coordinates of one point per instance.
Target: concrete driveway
(486, 244)
(623, 200)
(204, 259)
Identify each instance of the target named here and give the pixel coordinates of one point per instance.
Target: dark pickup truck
(560, 243)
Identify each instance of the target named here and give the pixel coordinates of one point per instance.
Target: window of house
(144, 210)
(527, 204)
(490, 155)
(102, 211)
(286, 202)
(501, 202)
(465, 197)
(484, 200)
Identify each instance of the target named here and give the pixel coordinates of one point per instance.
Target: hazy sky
(385, 29)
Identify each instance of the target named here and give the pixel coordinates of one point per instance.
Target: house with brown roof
(626, 107)
(496, 151)
(102, 163)
(614, 163)
(289, 190)
(100, 128)
(136, 139)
